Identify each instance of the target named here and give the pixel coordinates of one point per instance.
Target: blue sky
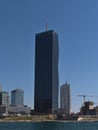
(75, 21)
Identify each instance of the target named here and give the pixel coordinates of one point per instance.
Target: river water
(49, 126)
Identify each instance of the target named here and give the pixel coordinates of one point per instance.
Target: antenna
(46, 26)
(67, 77)
(0, 88)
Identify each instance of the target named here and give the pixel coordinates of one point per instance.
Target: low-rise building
(20, 109)
(88, 108)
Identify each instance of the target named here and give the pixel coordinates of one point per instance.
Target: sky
(75, 21)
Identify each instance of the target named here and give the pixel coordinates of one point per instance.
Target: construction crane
(84, 96)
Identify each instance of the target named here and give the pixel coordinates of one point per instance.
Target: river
(48, 125)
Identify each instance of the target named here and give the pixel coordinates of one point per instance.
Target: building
(17, 103)
(88, 108)
(17, 97)
(3, 110)
(5, 100)
(46, 72)
(23, 110)
(65, 101)
(96, 109)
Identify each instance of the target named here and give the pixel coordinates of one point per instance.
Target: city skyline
(77, 28)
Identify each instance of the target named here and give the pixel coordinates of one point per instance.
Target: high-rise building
(46, 72)
(17, 97)
(65, 101)
(5, 100)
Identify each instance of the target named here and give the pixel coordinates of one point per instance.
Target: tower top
(67, 77)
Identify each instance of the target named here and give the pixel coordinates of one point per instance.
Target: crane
(84, 96)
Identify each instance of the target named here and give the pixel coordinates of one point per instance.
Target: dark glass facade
(46, 72)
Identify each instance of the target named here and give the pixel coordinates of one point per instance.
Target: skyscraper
(65, 98)
(17, 97)
(46, 72)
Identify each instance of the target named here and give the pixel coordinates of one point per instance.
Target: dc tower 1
(46, 72)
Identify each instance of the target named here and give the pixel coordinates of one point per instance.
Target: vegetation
(29, 118)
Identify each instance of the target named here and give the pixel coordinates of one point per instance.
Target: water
(49, 126)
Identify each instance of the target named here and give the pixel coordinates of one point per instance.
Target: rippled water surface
(49, 126)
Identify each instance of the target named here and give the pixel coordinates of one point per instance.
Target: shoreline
(80, 118)
(46, 121)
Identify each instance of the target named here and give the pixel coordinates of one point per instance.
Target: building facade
(23, 110)
(5, 100)
(17, 97)
(65, 100)
(46, 72)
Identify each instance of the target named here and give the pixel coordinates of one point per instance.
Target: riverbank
(46, 118)
(34, 118)
(87, 118)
